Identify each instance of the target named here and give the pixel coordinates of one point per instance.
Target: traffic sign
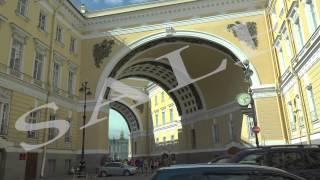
(256, 129)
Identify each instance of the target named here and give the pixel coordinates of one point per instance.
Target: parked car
(302, 160)
(220, 159)
(116, 168)
(223, 172)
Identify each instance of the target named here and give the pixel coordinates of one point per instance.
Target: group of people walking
(146, 166)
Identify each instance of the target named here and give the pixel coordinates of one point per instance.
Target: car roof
(223, 166)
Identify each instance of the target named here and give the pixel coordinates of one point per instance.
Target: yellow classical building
(165, 118)
(202, 53)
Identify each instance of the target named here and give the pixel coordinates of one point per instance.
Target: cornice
(172, 13)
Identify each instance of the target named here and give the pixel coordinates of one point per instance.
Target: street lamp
(248, 73)
(86, 91)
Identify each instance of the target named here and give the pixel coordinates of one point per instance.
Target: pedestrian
(145, 166)
(152, 165)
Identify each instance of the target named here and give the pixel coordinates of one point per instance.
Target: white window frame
(292, 117)
(59, 33)
(312, 105)
(12, 65)
(5, 100)
(171, 114)
(215, 133)
(71, 86)
(311, 15)
(21, 3)
(163, 116)
(36, 67)
(33, 118)
(56, 75)
(73, 44)
(281, 57)
(68, 135)
(43, 19)
(157, 119)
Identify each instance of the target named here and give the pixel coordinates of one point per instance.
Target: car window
(107, 165)
(116, 165)
(257, 158)
(275, 159)
(293, 160)
(313, 157)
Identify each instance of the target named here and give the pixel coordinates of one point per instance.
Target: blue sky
(116, 124)
(93, 5)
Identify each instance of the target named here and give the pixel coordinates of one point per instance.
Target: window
(56, 75)
(162, 97)
(51, 132)
(4, 117)
(33, 119)
(171, 114)
(42, 21)
(215, 133)
(157, 120)
(71, 83)
(254, 159)
(313, 158)
(298, 34)
(299, 114)
(193, 139)
(293, 160)
(312, 104)
(72, 47)
(68, 136)
(155, 100)
(16, 57)
(311, 15)
(292, 117)
(22, 7)
(67, 165)
(163, 117)
(38, 64)
(59, 34)
(287, 44)
(51, 166)
(281, 57)
(250, 126)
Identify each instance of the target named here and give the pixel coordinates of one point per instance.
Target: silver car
(116, 169)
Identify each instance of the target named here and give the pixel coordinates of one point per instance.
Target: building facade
(119, 148)
(48, 48)
(166, 122)
(295, 36)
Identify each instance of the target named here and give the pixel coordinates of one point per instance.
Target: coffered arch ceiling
(128, 114)
(200, 58)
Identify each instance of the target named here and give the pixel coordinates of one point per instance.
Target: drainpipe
(48, 80)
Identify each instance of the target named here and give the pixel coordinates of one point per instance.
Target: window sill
(25, 18)
(43, 31)
(61, 44)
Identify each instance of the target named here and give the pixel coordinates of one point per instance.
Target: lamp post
(248, 73)
(86, 91)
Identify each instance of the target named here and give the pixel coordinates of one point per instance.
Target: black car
(223, 172)
(302, 160)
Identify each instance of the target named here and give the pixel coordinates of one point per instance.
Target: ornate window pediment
(19, 34)
(293, 11)
(40, 46)
(72, 67)
(5, 95)
(58, 58)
